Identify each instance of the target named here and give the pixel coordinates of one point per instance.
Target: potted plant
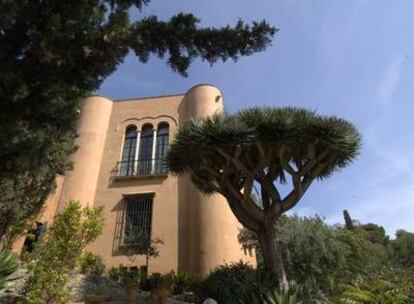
(160, 288)
(129, 280)
(91, 263)
(180, 280)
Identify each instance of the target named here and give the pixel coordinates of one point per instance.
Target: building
(119, 165)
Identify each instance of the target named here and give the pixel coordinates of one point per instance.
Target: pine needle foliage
(54, 53)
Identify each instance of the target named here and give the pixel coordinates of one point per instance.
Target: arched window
(128, 154)
(145, 150)
(161, 147)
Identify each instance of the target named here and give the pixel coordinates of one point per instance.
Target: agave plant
(7, 267)
(377, 292)
(272, 296)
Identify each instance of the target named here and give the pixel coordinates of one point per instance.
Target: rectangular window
(138, 220)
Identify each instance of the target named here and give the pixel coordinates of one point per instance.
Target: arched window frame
(161, 147)
(129, 151)
(146, 147)
(147, 157)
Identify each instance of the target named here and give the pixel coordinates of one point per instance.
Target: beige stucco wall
(214, 229)
(199, 232)
(80, 183)
(110, 193)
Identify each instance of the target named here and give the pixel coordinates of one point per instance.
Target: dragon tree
(259, 151)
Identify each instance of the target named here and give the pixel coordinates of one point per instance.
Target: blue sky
(353, 59)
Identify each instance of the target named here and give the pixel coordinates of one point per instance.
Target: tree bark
(4, 237)
(272, 255)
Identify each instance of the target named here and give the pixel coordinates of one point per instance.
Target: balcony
(140, 168)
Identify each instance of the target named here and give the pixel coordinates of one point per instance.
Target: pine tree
(53, 53)
(349, 224)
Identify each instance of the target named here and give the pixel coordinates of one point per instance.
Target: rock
(13, 288)
(10, 298)
(81, 286)
(209, 301)
(18, 279)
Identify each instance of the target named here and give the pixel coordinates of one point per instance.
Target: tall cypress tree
(349, 224)
(53, 53)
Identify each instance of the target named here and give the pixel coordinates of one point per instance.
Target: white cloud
(389, 82)
(387, 196)
(391, 207)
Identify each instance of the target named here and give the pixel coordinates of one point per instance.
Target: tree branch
(296, 194)
(241, 214)
(248, 205)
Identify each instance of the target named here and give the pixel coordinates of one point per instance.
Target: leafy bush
(93, 262)
(321, 258)
(309, 292)
(179, 281)
(154, 281)
(114, 274)
(312, 249)
(7, 267)
(129, 278)
(363, 256)
(56, 257)
(402, 277)
(403, 248)
(230, 283)
(373, 291)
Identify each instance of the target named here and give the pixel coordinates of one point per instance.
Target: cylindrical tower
(208, 227)
(80, 183)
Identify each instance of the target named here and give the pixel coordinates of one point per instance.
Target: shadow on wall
(119, 209)
(148, 180)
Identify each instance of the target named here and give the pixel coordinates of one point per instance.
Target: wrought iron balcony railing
(140, 167)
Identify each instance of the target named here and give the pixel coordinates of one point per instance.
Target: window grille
(138, 220)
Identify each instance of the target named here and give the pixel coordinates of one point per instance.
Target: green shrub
(403, 248)
(7, 267)
(363, 256)
(154, 281)
(114, 274)
(312, 250)
(373, 291)
(93, 262)
(179, 281)
(231, 283)
(128, 278)
(58, 254)
(321, 258)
